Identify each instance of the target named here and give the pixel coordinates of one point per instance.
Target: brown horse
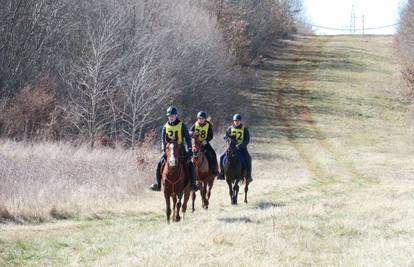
(205, 178)
(175, 181)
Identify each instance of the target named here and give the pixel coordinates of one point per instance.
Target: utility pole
(353, 21)
(363, 24)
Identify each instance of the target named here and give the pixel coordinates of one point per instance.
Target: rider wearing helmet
(242, 136)
(205, 134)
(177, 129)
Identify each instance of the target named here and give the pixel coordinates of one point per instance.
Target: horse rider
(205, 134)
(177, 129)
(242, 136)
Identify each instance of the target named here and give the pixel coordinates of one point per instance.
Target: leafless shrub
(28, 113)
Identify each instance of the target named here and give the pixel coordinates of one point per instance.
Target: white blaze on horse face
(172, 160)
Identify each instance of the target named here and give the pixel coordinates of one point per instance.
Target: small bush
(29, 112)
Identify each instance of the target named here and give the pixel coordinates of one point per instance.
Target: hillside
(333, 178)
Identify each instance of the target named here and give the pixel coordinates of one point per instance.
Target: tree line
(405, 44)
(83, 69)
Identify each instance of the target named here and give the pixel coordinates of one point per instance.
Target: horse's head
(196, 144)
(173, 153)
(232, 145)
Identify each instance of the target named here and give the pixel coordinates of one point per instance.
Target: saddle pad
(242, 159)
(186, 170)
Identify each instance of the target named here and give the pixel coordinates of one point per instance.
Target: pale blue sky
(337, 14)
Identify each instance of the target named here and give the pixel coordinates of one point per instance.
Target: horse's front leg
(230, 190)
(203, 193)
(235, 192)
(174, 207)
(168, 205)
(187, 193)
(209, 188)
(194, 195)
(246, 189)
(178, 218)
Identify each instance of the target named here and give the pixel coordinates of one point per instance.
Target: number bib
(174, 132)
(202, 130)
(238, 134)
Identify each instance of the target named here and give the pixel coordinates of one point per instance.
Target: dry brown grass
(56, 180)
(333, 180)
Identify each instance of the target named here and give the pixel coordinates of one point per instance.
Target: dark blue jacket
(246, 135)
(186, 136)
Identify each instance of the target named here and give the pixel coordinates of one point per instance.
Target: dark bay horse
(205, 178)
(175, 181)
(234, 171)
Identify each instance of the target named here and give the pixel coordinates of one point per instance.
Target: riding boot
(220, 175)
(194, 186)
(157, 185)
(215, 165)
(209, 157)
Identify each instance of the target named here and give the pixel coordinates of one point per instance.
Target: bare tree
(92, 79)
(117, 63)
(30, 33)
(145, 89)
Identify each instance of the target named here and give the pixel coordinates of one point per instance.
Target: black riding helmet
(202, 114)
(237, 117)
(172, 111)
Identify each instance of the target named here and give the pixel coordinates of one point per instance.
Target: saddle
(186, 171)
(241, 157)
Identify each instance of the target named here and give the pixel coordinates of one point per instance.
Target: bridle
(173, 162)
(231, 149)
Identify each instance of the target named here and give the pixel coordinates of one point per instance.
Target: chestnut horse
(234, 171)
(175, 181)
(205, 178)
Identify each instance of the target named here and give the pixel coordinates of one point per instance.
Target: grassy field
(333, 153)
(47, 181)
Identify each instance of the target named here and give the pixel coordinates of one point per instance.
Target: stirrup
(155, 187)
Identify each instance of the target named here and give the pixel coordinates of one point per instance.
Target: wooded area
(83, 70)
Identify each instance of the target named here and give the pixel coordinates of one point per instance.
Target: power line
(353, 29)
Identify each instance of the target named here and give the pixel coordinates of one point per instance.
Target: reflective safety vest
(238, 134)
(174, 132)
(202, 130)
